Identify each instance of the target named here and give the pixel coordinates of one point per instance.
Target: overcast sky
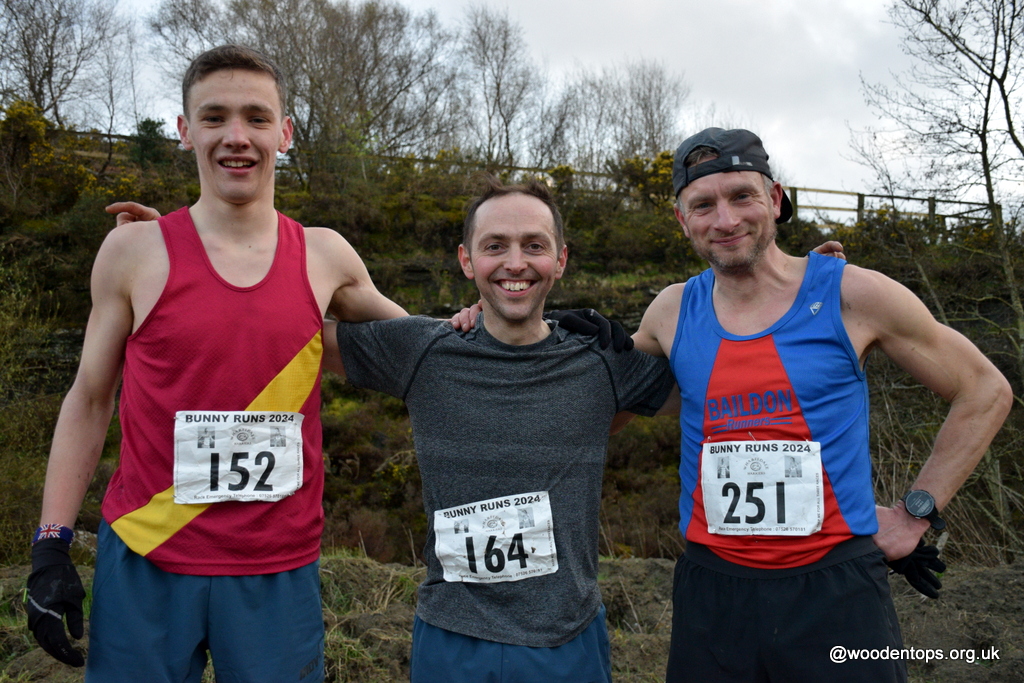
(788, 69)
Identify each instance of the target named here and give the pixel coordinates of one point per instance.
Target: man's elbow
(85, 404)
(673, 404)
(993, 396)
(332, 363)
(1003, 397)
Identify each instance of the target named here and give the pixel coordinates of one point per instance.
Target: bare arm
(341, 282)
(358, 300)
(344, 288)
(332, 352)
(658, 326)
(879, 312)
(85, 414)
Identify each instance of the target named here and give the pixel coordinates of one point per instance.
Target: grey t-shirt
(492, 420)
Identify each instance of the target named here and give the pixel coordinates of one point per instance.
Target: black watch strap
(921, 504)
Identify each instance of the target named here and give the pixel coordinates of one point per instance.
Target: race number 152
(263, 465)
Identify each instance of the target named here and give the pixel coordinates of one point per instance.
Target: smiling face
(514, 258)
(236, 128)
(730, 218)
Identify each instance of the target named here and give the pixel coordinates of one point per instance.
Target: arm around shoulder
(658, 327)
(336, 269)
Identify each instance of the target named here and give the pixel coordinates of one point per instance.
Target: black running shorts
(736, 623)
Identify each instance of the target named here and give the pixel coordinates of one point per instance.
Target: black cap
(738, 150)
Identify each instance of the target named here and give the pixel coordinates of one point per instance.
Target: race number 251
(762, 488)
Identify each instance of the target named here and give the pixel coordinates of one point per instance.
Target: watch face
(919, 503)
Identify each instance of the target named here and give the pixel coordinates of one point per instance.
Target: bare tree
(373, 71)
(956, 131)
(500, 83)
(50, 51)
(367, 77)
(611, 115)
(114, 101)
(652, 99)
(185, 29)
(577, 125)
(957, 112)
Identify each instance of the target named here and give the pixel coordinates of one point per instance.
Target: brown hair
(698, 154)
(495, 188)
(229, 57)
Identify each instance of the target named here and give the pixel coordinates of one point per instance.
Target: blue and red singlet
(208, 345)
(798, 381)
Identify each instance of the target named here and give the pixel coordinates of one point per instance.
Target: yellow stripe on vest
(290, 389)
(145, 529)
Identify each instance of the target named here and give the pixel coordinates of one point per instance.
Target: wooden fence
(867, 203)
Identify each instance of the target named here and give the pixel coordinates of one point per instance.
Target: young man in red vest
(212, 317)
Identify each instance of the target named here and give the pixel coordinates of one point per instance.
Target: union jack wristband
(54, 531)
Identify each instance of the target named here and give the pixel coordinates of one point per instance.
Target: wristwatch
(921, 504)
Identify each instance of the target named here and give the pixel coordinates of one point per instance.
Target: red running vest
(208, 345)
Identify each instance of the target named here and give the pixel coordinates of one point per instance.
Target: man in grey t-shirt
(510, 422)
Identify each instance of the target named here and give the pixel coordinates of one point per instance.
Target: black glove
(54, 590)
(918, 566)
(588, 322)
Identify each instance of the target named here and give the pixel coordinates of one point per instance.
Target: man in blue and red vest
(786, 550)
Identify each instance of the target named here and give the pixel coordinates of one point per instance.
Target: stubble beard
(742, 265)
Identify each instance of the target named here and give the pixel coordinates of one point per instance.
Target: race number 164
(493, 557)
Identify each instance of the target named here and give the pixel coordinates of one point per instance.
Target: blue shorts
(441, 656)
(150, 625)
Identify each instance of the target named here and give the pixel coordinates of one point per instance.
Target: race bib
(236, 455)
(502, 539)
(769, 488)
